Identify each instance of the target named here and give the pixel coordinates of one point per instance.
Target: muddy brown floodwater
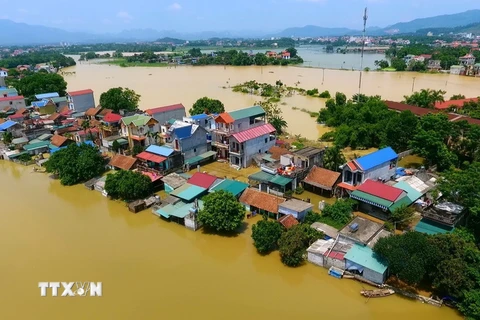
(152, 269)
(168, 85)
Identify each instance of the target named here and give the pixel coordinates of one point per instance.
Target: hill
(314, 31)
(471, 28)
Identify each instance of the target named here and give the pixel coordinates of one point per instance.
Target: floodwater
(185, 84)
(152, 269)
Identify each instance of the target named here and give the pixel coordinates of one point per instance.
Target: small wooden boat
(377, 293)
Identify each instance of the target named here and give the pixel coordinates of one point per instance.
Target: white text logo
(71, 289)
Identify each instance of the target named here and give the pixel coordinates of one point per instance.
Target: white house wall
(255, 146)
(195, 145)
(316, 259)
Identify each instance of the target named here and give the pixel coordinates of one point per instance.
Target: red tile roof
(378, 189)
(112, 117)
(92, 130)
(16, 116)
(122, 162)
(398, 106)
(14, 98)
(261, 200)
(352, 165)
(224, 118)
(93, 111)
(288, 221)
(164, 109)
(347, 186)
(58, 141)
(277, 152)
(453, 103)
(253, 133)
(150, 157)
(80, 92)
(322, 178)
(203, 180)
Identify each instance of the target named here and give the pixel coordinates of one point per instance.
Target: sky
(102, 16)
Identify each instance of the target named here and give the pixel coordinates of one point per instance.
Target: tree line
(32, 58)
(120, 47)
(240, 58)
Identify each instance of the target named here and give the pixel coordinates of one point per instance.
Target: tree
(278, 123)
(265, 235)
(137, 149)
(400, 129)
(382, 64)
(295, 241)
(152, 136)
(325, 94)
(402, 215)
(261, 59)
(7, 137)
(128, 185)
(457, 97)
(195, 52)
(292, 51)
(76, 163)
(35, 83)
(333, 158)
(120, 98)
(399, 64)
(340, 211)
(417, 66)
(426, 98)
(340, 99)
(90, 55)
(207, 105)
(116, 146)
(221, 212)
(470, 306)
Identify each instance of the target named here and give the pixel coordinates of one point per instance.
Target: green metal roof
(179, 210)
(188, 192)
(20, 140)
(405, 201)
(171, 121)
(193, 160)
(428, 227)
(364, 256)
(232, 186)
(16, 155)
(254, 111)
(58, 99)
(280, 180)
(45, 136)
(359, 195)
(412, 194)
(137, 120)
(263, 176)
(38, 145)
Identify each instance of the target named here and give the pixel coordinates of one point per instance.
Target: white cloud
(125, 16)
(175, 6)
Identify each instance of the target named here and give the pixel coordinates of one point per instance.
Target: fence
(405, 153)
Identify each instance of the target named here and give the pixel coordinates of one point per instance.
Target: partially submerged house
(260, 202)
(365, 262)
(160, 160)
(246, 144)
(272, 183)
(441, 218)
(81, 101)
(203, 180)
(16, 102)
(189, 139)
(121, 162)
(296, 208)
(233, 186)
(320, 180)
(173, 181)
(360, 230)
(308, 157)
(138, 129)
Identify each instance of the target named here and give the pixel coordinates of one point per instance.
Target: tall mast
(365, 17)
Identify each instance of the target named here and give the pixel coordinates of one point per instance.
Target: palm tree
(278, 123)
(7, 137)
(86, 126)
(152, 136)
(333, 158)
(425, 98)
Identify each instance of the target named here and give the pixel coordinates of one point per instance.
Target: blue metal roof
(160, 150)
(39, 104)
(47, 95)
(200, 116)
(183, 132)
(376, 158)
(7, 124)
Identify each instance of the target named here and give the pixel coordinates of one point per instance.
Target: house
(109, 131)
(206, 121)
(122, 162)
(3, 75)
(181, 212)
(57, 118)
(379, 199)
(189, 139)
(276, 152)
(380, 164)
(328, 253)
(328, 231)
(19, 116)
(18, 143)
(91, 113)
(233, 186)
(91, 134)
(42, 96)
(58, 142)
(366, 263)
(46, 106)
(244, 145)
(272, 183)
(285, 55)
(454, 104)
(37, 147)
(457, 70)
(467, 60)
(440, 218)
(160, 160)
(260, 202)
(296, 208)
(322, 179)
(360, 231)
(8, 92)
(203, 180)
(308, 157)
(229, 123)
(173, 181)
(165, 113)
(24, 67)
(434, 65)
(288, 221)
(81, 101)
(11, 126)
(138, 129)
(16, 102)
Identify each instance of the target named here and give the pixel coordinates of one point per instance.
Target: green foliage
(425, 98)
(312, 92)
(32, 58)
(265, 235)
(470, 306)
(325, 94)
(457, 97)
(382, 64)
(340, 211)
(116, 146)
(120, 98)
(417, 66)
(32, 84)
(76, 164)
(295, 241)
(137, 149)
(340, 99)
(261, 59)
(195, 52)
(7, 137)
(399, 64)
(25, 157)
(292, 51)
(299, 190)
(402, 215)
(239, 58)
(206, 105)
(221, 212)
(128, 185)
(312, 217)
(333, 158)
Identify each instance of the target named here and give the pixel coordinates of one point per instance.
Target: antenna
(365, 17)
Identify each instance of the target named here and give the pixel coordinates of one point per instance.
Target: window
(11, 102)
(239, 125)
(266, 140)
(194, 149)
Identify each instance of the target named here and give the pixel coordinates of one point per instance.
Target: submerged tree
(206, 105)
(265, 235)
(295, 241)
(425, 98)
(221, 212)
(128, 185)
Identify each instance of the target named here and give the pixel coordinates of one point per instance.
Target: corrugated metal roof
(428, 227)
(188, 192)
(368, 198)
(112, 117)
(233, 186)
(203, 180)
(254, 111)
(412, 194)
(365, 257)
(263, 176)
(381, 190)
(183, 131)
(80, 92)
(7, 124)
(253, 133)
(20, 140)
(47, 95)
(150, 157)
(296, 205)
(160, 150)
(199, 116)
(165, 109)
(137, 120)
(376, 158)
(38, 145)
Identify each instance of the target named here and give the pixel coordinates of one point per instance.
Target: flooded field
(152, 269)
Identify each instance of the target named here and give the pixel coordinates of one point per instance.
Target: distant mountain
(443, 21)
(471, 28)
(314, 31)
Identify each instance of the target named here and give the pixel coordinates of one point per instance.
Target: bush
(25, 157)
(265, 235)
(325, 94)
(294, 242)
(340, 211)
(299, 190)
(128, 185)
(312, 92)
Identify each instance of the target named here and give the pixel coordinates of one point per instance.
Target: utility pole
(365, 17)
(413, 84)
(323, 76)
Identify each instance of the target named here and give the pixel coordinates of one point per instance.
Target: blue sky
(207, 15)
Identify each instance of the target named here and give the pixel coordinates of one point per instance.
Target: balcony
(220, 144)
(223, 131)
(236, 151)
